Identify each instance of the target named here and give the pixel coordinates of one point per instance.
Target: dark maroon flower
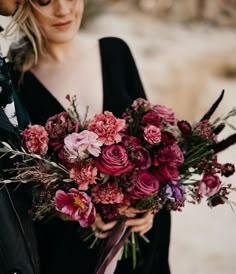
(167, 138)
(151, 118)
(146, 184)
(216, 200)
(227, 170)
(166, 173)
(171, 154)
(141, 157)
(185, 128)
(59, 125)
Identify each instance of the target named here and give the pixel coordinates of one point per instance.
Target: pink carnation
(35, 139)
(107, 127)
(84, 174)
(108, 193)
(77, 205)
(80, 145)
(152, 134)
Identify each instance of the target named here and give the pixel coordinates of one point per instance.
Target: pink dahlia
(77, 205)
(107, 127)
(108, 193)
(35, 139)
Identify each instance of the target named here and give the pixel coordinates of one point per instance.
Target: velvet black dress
(60, 246)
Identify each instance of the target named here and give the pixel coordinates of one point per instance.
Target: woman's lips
(63, 25)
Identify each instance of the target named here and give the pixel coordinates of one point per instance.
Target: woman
(104, 77)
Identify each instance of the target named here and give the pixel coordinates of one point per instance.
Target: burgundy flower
(107, 193)
(146, 185)
(151, 118)
(59, 125)
(113, 160)
(141, 157)
(171, 154)
(166, 173)
(77, 205)
(185, 128)
(227, 170)
(130, 141)
(167, 138)
(35, 139)
(209, 185)
(216, 200)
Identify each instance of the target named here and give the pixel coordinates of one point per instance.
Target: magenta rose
(166, 173)
(59, 125)
(113, 160)
(209, 185)
(141, 157)
(146, 185)
(165, 114)
(35, 139)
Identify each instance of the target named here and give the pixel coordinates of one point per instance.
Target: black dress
(60, 246)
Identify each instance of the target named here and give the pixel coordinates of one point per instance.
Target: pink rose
(60, 125)
(141, 157)
(166, 173)
(152, 134)
(77, 205)
(35, 139)
(146, 185)
(209, 185)
(79, 145)
(107, 127)
(113, 160)
(165, 114)
(108, 193)
(84, 174)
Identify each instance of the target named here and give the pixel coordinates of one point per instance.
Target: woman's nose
(62, 7)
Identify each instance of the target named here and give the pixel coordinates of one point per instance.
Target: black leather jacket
(18, 247)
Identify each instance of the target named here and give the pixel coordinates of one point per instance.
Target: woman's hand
(141, 224)
(101, 229)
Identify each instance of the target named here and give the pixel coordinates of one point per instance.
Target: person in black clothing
(104, 76)
(18, 248)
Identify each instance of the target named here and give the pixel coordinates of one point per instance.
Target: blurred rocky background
(185, 51)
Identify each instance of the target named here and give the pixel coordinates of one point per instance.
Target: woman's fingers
(142, 224)
(101, 229)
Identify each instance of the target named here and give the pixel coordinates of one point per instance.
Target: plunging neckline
(59, 105)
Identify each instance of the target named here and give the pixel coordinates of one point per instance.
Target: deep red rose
(146, 184)
(171, 154)
(113, 160)
(216, 200)
(166, 173)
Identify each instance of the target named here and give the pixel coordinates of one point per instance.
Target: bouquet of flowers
(147, 160)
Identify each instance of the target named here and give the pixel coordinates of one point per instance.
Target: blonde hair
(32, 43)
